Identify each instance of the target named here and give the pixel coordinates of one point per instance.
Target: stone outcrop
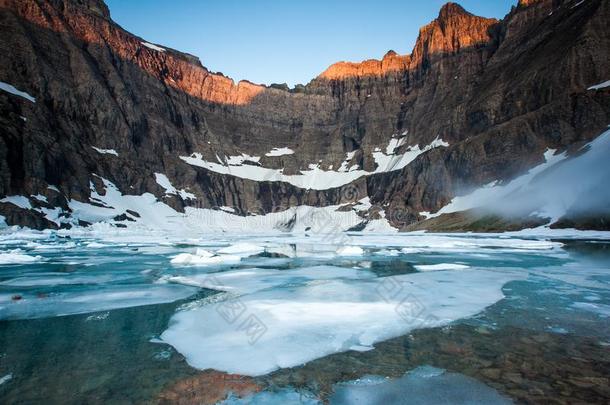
(499, 92)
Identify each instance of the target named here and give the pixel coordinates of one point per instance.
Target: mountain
(93, 117)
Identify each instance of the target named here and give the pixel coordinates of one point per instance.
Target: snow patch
(387, 162)
(314, 178)
(280, 152)
(106, 151)
(495, 191)
(600, 86)
(164, 182)
(18, 200)
(11, 89)
(153, 46)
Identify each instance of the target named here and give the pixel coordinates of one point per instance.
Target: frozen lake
(344, 318)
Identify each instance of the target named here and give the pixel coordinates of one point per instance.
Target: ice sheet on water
(350, 251)
(203, 257)
(18, 257)
(242, 249)
(51, 279)
(599, 309)
(251, 280)
(257, 333)
(424, 385)
(280, 397)
(440, 267)
(82, 301)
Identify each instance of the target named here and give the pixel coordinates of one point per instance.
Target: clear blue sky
(292, 41)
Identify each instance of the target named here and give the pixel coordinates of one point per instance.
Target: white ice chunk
(204, 258)
(245, 249)
(16, 257)
(350, 251)
(440, 266)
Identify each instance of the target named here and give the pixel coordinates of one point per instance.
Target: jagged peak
(98, 7)
(451, 9)
(527, 3)
(389, 54)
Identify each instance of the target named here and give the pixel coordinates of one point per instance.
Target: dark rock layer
(500, 92)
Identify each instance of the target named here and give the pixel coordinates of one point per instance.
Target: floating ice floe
(54, 279)
(16, 257)
(600, 309)
(251, 280)
(350, 251)
(242, 249)
(11, 89)
(440, 266)
(422, 386)
(284, 396)
(255, 334)
(104, 298)
(204, 258)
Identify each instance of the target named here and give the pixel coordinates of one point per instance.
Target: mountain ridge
(479, 103)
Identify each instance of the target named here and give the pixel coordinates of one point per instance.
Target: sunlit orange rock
(454, 30)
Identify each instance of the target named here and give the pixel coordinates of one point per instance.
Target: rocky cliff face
(491, 95)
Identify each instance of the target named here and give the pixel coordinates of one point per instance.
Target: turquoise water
(82, 322)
